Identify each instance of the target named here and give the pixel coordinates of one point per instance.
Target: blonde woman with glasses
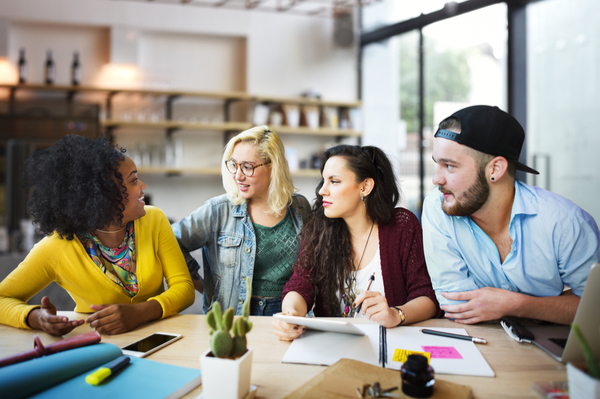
(253, 230)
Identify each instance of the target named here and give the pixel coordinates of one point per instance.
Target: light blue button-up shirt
(555, 242)
(226, 234)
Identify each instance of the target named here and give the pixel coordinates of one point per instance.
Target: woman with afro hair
(107, 249)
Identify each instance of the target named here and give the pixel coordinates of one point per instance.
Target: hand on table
(286, 331)
(45, 319)
(482, 304)
(375, 308)
(114, 319)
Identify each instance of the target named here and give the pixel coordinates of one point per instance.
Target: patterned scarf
(349, 296)
(117, 263)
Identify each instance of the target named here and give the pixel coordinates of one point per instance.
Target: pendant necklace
(364, 249)
(350, 295)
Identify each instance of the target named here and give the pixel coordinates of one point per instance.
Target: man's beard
(472, 200)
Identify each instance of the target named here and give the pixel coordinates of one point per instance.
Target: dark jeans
(265, 306)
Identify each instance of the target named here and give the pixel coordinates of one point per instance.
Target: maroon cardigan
(405, 275)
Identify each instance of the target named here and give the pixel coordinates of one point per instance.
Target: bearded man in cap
(495, 246)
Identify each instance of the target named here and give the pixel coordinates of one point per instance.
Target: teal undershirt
(276, 251)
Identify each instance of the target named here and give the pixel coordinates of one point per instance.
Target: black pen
(456, 336)
(371, 279)
(382, 345)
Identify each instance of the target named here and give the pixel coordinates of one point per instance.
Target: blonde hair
(269, 147)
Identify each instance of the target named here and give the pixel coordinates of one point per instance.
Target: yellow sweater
(68, 264)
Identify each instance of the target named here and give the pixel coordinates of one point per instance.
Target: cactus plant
(222, 343)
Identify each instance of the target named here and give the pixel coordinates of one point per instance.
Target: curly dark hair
(76, 186)
(327, 250)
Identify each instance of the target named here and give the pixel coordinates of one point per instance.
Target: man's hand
(489, 303)
(45, 319)
(483, 304)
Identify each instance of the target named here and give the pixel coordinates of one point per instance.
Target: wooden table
(516, 365)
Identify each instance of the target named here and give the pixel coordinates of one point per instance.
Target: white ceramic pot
(581, 385)
(225, 378)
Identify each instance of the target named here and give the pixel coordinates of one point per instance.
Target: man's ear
(497, 168)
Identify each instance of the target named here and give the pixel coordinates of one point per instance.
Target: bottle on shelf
(50, 69)
(75, 70)
(22, 66)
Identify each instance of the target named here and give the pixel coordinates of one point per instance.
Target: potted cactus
(227, 365)
(581, 384)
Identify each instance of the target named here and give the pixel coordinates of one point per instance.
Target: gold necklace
(110, 232)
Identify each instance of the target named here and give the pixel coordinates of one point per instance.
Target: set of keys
(375, 391)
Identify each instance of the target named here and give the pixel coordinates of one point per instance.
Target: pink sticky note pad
(442, 352)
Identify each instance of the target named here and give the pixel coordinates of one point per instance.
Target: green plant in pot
(228, 338)
(226, 367)
(582, 385)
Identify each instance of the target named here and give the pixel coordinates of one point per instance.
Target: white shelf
(212, 171)
(222, 126)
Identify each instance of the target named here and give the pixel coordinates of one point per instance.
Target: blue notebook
(63, 375)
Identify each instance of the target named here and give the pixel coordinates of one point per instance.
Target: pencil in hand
(371, 279)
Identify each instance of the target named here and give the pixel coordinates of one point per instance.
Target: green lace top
(276, 251)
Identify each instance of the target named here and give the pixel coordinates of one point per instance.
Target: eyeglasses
(247, 168)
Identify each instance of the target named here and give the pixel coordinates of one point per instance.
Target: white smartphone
(150, 344)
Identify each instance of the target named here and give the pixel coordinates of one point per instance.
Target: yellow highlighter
(107, 370)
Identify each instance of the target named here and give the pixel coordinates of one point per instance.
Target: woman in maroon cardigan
(356, 234)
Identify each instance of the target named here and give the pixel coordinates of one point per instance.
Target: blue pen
(107, 370)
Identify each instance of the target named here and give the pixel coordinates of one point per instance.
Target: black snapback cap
(489, 130)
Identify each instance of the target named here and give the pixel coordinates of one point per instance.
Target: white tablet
(315, 323)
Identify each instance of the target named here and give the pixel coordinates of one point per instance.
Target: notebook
(558, 341)
(63, 375)
(460, 357)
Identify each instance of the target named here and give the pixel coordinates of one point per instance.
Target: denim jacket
(226, 235)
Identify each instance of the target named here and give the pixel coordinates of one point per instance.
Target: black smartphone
(519, 330)
(150, 344)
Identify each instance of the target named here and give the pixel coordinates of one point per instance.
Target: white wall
(286, 54)
(381, 86)
(564, 99)
(185, 48)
